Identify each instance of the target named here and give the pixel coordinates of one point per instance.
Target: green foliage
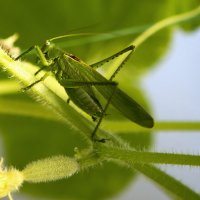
(27, 136)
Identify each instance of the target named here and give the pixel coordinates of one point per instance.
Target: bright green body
(78, 78)
(84, 97)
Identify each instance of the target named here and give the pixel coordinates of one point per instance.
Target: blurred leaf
(186, 6)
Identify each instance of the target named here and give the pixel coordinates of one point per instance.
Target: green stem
(128, 127)
(166, 181)
(25, 108)
(140, 157)
(165, 23)
(177, 126)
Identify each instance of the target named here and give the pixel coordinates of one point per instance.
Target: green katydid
(78, 78)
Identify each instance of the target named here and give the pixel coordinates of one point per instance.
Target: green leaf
(184, 6)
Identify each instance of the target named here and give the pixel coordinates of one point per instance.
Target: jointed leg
(34, 83)
(25, 52)
(71, 83)
(43, 60)
(100, 63)
(39, 70)
(103, 113)
(120, 66)
(75, 84)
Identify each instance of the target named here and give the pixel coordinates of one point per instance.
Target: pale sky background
(173, 89)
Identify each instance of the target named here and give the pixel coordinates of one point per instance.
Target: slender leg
(34, 83)
(41, 79)
(68, 83)
(71, 83)
(39, 70)
(120, 66)
(43, 60)
(96, 65)
(25, 52)
(103, 113)
(46, 65)
(109, 100)
(100, 63)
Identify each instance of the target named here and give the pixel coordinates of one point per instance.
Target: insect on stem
(79, 78)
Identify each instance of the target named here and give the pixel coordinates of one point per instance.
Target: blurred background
(172, 89)
(163, 75)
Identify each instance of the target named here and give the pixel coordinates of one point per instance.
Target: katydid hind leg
(102, 115)
(68, 83)
(100, 63)
(121, 65)
(106, 83)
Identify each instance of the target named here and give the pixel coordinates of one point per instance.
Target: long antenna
(70, 35)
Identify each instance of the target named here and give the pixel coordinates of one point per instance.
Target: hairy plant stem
(140, 161)
(137, 161)
(141, 157)
(166, 126)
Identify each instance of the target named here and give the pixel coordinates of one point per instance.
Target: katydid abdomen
(83, 100)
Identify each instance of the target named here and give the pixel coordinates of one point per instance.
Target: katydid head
(48, 47)
(51, 51)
